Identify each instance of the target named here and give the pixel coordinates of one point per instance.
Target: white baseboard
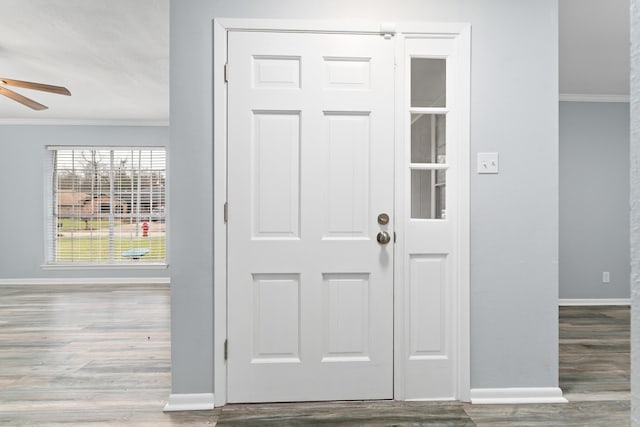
(593, 301)
(189, 402)
(497, 396)
(88, 281)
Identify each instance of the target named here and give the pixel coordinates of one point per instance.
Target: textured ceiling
(114, 56)
(594, 47)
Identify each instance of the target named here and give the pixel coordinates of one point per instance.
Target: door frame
(459, 31)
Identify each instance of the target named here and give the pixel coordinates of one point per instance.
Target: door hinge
(226, 212)
(226, 349)
(394, 237)
(226, 73)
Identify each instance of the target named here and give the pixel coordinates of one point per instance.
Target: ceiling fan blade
(22, 99)
(60, 90)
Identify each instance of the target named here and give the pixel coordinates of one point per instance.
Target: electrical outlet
(605, 277)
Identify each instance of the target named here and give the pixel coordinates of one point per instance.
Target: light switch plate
(487, 162)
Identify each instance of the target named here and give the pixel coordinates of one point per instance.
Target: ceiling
(594, 48)
(114, 56)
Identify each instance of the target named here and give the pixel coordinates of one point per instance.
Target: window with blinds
(107, 206)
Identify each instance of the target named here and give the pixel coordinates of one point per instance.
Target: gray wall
(22, 193)
(594, 199)
(514, 219)
(635, 212)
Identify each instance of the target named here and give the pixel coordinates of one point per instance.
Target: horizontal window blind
(107, 206)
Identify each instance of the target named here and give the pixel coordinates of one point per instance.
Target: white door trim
(220, 28)
(464, 233)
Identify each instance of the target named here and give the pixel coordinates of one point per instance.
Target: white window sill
(115, 266)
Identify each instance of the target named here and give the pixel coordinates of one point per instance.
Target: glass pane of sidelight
(428, 143)
(428, 194)
(428, 82)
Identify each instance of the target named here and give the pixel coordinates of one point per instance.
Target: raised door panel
(276, 72)
(276, 174)
(347, 171)
(347, 310)
(427, 306)
(276, 318)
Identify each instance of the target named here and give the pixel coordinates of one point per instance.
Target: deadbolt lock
(383, 219)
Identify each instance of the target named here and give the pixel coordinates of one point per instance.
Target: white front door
(310, 171)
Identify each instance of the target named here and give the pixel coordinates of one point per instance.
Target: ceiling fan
(29, 85)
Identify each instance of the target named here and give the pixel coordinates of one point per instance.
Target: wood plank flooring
(88, 356)
(595, 353)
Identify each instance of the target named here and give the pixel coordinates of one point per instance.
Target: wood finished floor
(96, 357)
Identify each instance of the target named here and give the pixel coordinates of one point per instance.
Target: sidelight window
(428, 162)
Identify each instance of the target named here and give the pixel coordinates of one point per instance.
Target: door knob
(383, 238)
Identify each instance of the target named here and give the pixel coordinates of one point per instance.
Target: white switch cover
(487, 162)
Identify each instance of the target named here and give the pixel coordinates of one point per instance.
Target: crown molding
(79, 122)
(567, 302)
(586, 97)
(87, 281)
